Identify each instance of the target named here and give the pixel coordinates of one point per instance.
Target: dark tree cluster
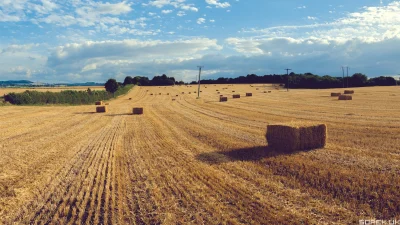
(162, 80)
(307, 80)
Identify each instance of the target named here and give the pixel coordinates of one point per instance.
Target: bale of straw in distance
(101, 109)
(335, 94)
(223, 99)
(296, 136)
(257, 88)
(106, 103)
(137, 110)
(269, 91)
(173, 99)
(348, 92)
(177, 95)
(130, 98)
(183, 92)
(345, 97)
(249, 94)
(235, 96)
(159, 93)
(99, 103)
(218, 92)
(265, 91)
(233, 91)
(190, 93)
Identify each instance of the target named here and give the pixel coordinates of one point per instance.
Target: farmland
(51, 89)
(201, 161)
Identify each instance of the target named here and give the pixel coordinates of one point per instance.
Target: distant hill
(15, 82)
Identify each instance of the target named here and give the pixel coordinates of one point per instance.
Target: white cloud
(218, 4)
(166, 11)
(201, 20)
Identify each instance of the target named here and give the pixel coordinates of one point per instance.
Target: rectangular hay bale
(348, 92)
(137, 110)
(101, 109)
(99, 103)
(223, 99)
(345, 97)
(249, 94)
(235, 96)
(335, 94)
(296, 136)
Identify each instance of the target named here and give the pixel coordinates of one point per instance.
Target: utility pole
(347, 75)
(287, 72)
(343, 75)
(198, 91)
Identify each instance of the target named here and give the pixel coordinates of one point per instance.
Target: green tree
(128, 80)
(111, 86)
(358, 80)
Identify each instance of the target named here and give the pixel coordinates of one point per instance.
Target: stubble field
(200, 161)
(4, 91)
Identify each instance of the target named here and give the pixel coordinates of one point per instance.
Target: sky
(86, 40)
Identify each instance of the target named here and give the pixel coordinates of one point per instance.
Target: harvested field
(51, 89)
(198, 161)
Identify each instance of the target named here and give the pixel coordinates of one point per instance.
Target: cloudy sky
(88, 40)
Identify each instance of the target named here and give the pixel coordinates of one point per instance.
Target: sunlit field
(51, 89)
(201, 161)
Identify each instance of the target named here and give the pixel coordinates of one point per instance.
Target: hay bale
(269, 91)
(257, 89)
(177, 95)
(249, 94)
(130, 98)
(345, 97)
(159, 93)
(106, 104)
(190, 92)
(167, 93)
(101, 109)
(265, 91)
(348, 92)
(223, 99)
(173, 99)
(335, 94)
(194, 92)
(235, 96)
(183, 92)
(218, 92)
(137, 110)
(296, 136)
(99, 103)
(151, 94)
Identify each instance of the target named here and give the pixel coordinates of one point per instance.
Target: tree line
(71, 97)
(162, 80)
(307, 80)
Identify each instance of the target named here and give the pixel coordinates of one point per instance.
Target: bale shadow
(121, 114)
(83, 113)
(242, 154)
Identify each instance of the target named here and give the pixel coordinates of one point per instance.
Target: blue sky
(87, 40)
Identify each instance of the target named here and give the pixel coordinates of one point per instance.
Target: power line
(287, 72)
(198, 91)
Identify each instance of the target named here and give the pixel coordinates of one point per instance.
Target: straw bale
(296, 136)
(137, 110)
(345, 97)
(223, 99)
(101, 109)
(99, 103)
(348, 92)
(335, 94)
(249, 94)
(235, 96)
